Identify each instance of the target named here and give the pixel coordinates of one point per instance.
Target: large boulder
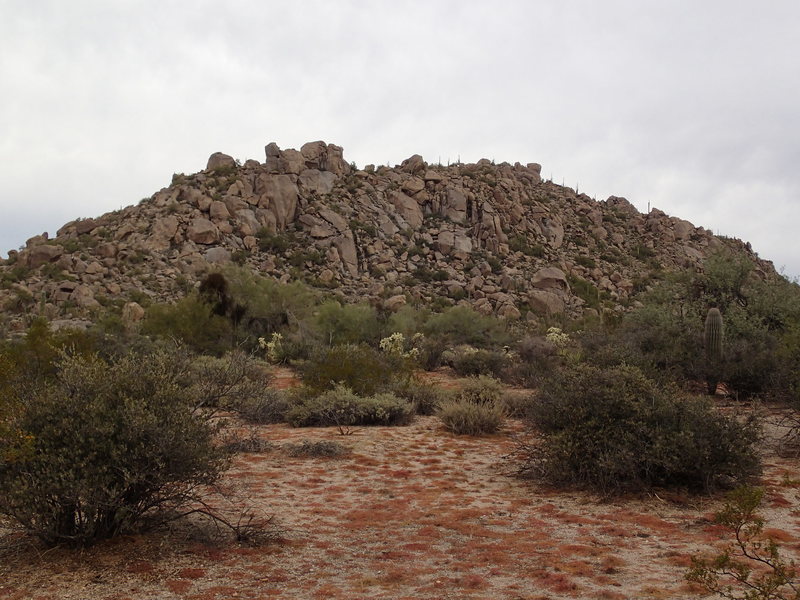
(347, 252)
(453, 241)
(682, 229)
(325, 157)
(132, 313)
(544, 302)
(41, 255)
(218, 160)
(455, 206)
(316, 181)
(277, 194)
(83, 296)
(414, 165)
(292, 162)
(218, 211)
(202, 231)
(408, 208)
(217, 255)
(164, 230)
(85, 226)
(550, 278)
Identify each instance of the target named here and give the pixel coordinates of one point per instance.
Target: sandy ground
(411, 512)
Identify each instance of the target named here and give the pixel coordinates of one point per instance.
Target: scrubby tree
(614, 429)
(104, 446)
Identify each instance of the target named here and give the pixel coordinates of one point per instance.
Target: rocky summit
(494, 236)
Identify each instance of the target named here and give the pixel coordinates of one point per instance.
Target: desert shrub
(536, 359)
(431, 353)
(463, 417)
(343, 408)
(516, 403)
(613, 429)
(359, 367)
(664, 336)
(752, 567)
(249, 442)
(480, 362)
(481, 390)
(317, 449)
(338, 324)
(268, 406)
(227, 382)
(424, 397)
(661, 341)
(536, 349)
(274, 243)
(34, 358)
(462, 325)
(408, 320)
(271, 306)
(112, 444)
(585, 290)
(191, 321)
(519, 243)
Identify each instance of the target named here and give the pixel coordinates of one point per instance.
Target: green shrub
(343, 408)
(338, 324)
(612, 429)
(468, 418)
(585, 290)
(480, 362)
(462, 325)
(275, 243)
(359, 367)
(481, 390)
(112, 444)
(251, 443)
(424, 397)
(192, 322)
(34, 358)
(271, 306)
(519, 243)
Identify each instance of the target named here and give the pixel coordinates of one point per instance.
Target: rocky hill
(495, 236)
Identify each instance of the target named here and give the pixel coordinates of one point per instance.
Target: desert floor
(410, 512)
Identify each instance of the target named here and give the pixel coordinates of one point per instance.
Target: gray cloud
(688, 106)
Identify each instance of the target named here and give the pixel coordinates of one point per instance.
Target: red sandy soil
(412, 512)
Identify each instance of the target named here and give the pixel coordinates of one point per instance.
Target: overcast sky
(692, 107)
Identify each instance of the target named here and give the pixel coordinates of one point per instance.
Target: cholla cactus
(272, 348)
(557, 337)
(395, 345)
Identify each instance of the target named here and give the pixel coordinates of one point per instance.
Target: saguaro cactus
(713, 343)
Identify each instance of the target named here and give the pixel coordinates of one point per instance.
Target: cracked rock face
(493, 236)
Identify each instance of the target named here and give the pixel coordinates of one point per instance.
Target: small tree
(752, 567)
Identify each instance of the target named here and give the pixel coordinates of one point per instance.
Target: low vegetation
(342, 408)
(112, 429)
(613, 429)
(752, 567)
(105, 446)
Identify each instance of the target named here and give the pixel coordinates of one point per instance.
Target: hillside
(495, 236)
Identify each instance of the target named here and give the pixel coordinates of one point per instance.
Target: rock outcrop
(494, 236)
